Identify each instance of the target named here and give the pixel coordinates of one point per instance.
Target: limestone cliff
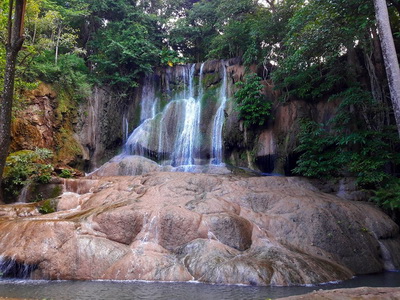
(89, 133)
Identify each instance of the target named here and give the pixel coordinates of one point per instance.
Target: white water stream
(173, 135)
(219, 119)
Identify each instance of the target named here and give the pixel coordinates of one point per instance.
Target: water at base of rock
(105, 290)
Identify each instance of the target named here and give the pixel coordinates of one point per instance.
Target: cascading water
(176, 135)
(216, 145)
(148, 112)
(125, 128)
(10, 268)
(186, 141)
(149, 100)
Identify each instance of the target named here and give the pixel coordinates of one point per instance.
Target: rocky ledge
(210, 228)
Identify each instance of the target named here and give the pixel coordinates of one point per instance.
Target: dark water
(107, 290)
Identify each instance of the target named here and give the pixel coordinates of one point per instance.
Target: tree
(15, 39)
(389, 56)
(127, 42)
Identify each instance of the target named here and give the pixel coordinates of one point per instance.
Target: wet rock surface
(211, 228)
(130, 165)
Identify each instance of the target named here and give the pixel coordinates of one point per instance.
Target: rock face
(46, 120)
(34, 125)
(210, 228)
(101, 123)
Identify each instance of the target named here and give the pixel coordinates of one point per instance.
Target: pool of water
(67, 290)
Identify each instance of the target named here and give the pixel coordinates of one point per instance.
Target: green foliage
(319, 157)
(388, 195)
(70, 73)
(372, 152)
(65, 173)
(244, 36)
(353, 143)
(171, 58)
(47, 206)
(311, 82)
(192, 35)
(51, 52)
(251, 103)
(27, 166)
(124, 50)
(221, 29)
(329, 153)
(318, 36)
(365, 154)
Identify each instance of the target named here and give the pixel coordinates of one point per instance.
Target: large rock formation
(210, 228)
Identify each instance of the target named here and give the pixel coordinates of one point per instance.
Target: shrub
(27, 166)
(65, 173)
(251, 103)
(320, 157)
(47, 206)
(388, 196)
(170, 58)
(367, 155)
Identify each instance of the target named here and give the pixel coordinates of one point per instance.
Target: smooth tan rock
(177, 226)
(351, 294)
(129, 165)
(230, 230)
(121, 224)
(148, 261)
(210, 228)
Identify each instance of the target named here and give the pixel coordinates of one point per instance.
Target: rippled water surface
(154, 290)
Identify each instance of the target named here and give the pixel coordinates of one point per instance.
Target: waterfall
(149, 101)
(187, 141)
(125, 128)
(23, 196)
(11, 268)
(176, 135)
(148, 110)
(216, 145)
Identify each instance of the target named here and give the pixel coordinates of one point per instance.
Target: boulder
(127, 165)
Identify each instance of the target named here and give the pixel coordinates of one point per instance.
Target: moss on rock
(211, 79)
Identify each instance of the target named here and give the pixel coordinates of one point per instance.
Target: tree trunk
(14, 44)
(389, 56)
(58, 43)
